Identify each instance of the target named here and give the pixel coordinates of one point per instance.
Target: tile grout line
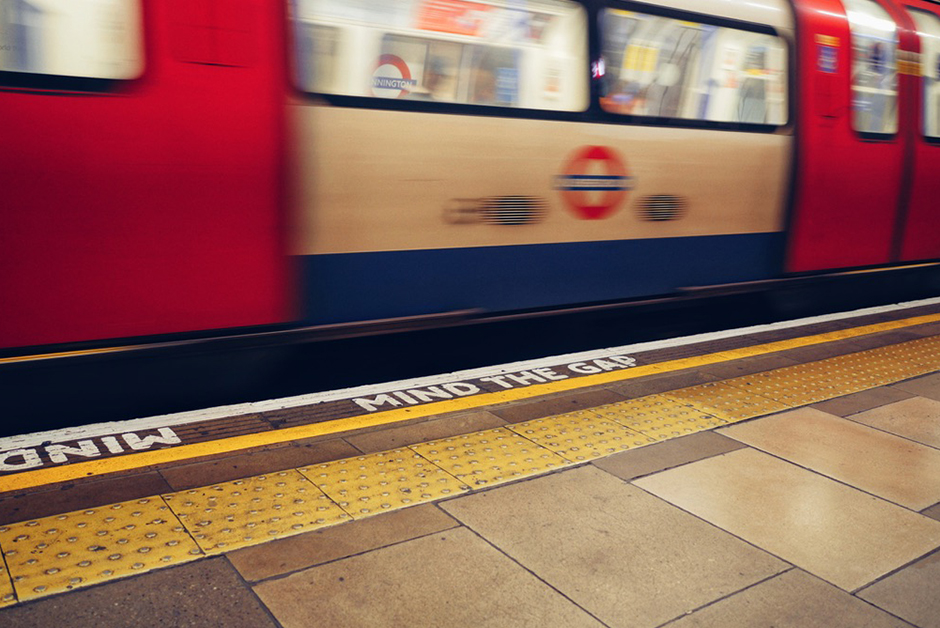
(470, 489)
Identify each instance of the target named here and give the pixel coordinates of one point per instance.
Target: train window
(664, 67)
(98, 39)
(874, 68)
(928, 27)
(525, 53)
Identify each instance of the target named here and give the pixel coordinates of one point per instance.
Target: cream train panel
(775, 13)
(378, 180)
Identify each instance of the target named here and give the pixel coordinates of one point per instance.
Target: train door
(920, 236)
(854, 128)
(141, 170)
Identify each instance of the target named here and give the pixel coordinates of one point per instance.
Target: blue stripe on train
(364, 286)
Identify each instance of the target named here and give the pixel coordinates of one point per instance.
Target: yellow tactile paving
(581, 436)
(7, 596)
(659, 417)
(726, 402)
(490, 457)
(389, 480)
(246, 512)
(81, 548)
(78, 549)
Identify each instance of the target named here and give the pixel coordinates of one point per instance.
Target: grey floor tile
(200, 474)
(895, 468)
(625, 556)
(926, 386)
(204, 594)
(306, 550)
(913, 593)
(449, 580)
(748, 366)
(862, 401)
(655, 384)
(634, 463)
(838, 533)
(527, 411)
(445, 427)
(794, 599)
(933, 512)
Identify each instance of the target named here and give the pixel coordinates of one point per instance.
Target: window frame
(930, 139)
(593, 113)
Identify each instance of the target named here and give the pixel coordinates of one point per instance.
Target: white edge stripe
(182, 418)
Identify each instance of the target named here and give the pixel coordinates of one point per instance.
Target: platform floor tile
(453, 578)
(490, 457)
(894, 468)
(625, 556)
(368, 485)
(836, 532)
(793, 599)
(245, 512)
(917, 419)
(7, 596)
(912, 593)
(581, 436)
(63, 552)
(727, 402)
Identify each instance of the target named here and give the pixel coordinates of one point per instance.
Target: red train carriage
(201, 166)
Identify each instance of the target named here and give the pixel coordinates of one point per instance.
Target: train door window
(669, 68)
(97, 39)
(874, 68)
(928, 28)
(524, 53)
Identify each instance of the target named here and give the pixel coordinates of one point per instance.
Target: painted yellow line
(68, 354)
(144, 460)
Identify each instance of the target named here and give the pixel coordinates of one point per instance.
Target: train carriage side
(455, 155)
(141, 169)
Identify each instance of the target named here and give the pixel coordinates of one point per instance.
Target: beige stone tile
(561, 404)
(449, 580)
(917, 418)
(862, 401)
(632, 464)
(306, 550)
(833, 531)
(398, 437)
(791, 600)
(897, 469)
(912, 594)
(200, 474)
(628, 558)
(926, 386)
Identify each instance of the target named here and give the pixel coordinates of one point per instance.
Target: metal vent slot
(512, 210)
(661, 207)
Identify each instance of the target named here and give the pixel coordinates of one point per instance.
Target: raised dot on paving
(580, 436)
(382, 482)
(659, 417)
(489, 457)
(246, 512)
(85, 547)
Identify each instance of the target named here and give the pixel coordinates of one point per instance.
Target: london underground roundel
(391, 77)
(595, 182)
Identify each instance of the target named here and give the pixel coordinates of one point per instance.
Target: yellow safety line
(67, 354)
(143, 460)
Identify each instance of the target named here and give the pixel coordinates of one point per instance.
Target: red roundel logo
(595, 182)
(391, 77)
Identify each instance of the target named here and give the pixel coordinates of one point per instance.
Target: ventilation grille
(497, 210)
(661, 207)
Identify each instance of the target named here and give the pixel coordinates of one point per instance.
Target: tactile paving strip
(7, 596)
(490, 457)
(250, 511)
(59, 553)
(580, 436)
(727, 402)
(659, 417)
(382, 482)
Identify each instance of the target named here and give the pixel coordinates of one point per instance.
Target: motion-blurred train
(173, 167)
